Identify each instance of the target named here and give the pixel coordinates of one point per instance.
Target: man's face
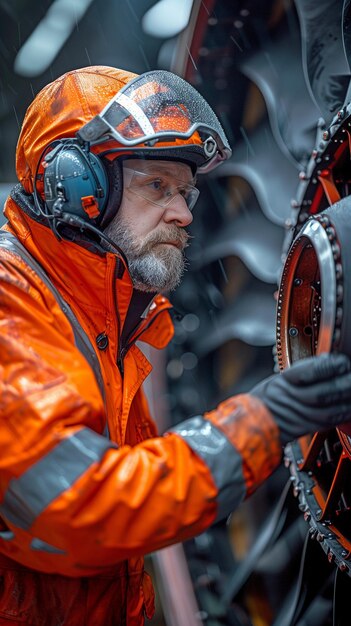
(150, 224)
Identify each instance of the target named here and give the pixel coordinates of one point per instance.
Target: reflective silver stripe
(82, 341)
(38, 544)
(27, 496)
(222, 459)
(132, 107)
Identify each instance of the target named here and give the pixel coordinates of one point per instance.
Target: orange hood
(60, 109)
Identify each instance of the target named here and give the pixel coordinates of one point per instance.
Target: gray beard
(153, 267)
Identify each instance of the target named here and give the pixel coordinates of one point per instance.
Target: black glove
(313, 394)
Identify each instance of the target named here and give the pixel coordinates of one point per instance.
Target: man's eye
(155, 184)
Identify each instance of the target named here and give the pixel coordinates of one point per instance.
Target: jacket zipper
(123, 351)
(120, 355)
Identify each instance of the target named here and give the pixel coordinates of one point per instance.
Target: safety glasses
(159, 188)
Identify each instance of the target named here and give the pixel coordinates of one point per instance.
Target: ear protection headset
(75, 179)
(81, 189)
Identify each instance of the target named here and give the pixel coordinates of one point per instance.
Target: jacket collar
(89, 277)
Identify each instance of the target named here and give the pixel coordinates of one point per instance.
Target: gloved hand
(313, 394)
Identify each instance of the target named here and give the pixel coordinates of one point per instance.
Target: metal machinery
(268, 284)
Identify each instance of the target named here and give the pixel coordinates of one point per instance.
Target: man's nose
(178, 212)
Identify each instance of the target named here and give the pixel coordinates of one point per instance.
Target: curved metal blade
(251, 237)
(293, 115)
(346, 30)
(258, 159)
(251, 319)
(325, 63)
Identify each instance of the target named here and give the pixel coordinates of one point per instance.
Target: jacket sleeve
(71, 501)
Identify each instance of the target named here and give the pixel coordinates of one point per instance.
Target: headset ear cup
(114, 171)
(75, 179)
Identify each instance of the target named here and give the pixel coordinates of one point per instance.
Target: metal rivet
(338, 315)
(344, 553)
(337, 336)
(330, 556)
(339, 294)
(335, 250)
(338, 270)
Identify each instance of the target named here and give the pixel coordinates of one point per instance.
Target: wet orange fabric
(61, 109)
(253, 432)
(140, 497)
(144, 495)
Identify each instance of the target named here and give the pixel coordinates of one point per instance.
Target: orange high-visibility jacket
(78, 509)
